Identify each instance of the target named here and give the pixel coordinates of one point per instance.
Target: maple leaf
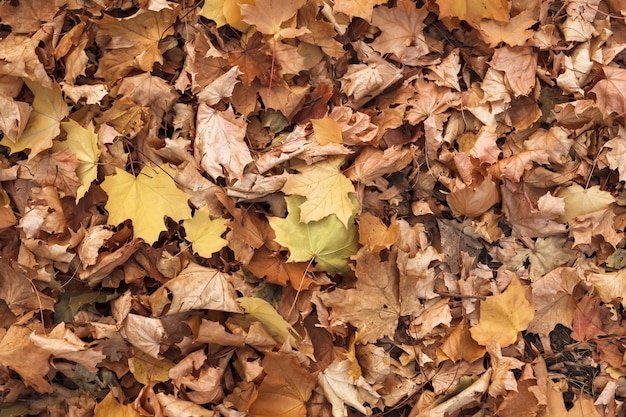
(19, 59)
(326, 131)
(146, 200)
(149, 370)
(616, 157)
(519, 65)
(196, 287)
(268, 15)
(358, 8)
(204, 233)
(611, 92)
(110, 407)
(473, 11)
(402, 30)
(514, 32)
(375, 234)
(503, 316)
(610, 285)
(276, 270)
(83, 142)
(19, 293)
(474, 200)
(373, 306)
(285, 389)
(326, 189)
(547, 254)
(328, 241)
(220, 142)
(580, 201)
(132, 42)
(43, 125)
(14, 117)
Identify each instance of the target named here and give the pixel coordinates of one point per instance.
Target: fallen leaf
(473, 11)
(195, 287)
(204, 233)
(580, 201)
(326, 189)
(326, 241)
(285, 389)
(146, 200)
(44, 122)
(503, 316)
(611, 92)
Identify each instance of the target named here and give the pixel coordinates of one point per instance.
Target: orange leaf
(286, 388)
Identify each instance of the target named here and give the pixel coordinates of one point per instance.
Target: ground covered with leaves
(312, 208)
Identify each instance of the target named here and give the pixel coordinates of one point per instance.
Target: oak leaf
(44, 122)
(503, 316)
(146, 200)
(328, 241)
(326, 189)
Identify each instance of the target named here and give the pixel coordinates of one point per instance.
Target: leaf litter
(240, 207)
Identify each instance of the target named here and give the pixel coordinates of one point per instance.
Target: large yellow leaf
(205, 234)
(327, 241)
(503, 316)
(579, 201)
(109, 407)
(83, 142)
(43, 125)
(268, 15)
(146, 200)
(326, 189)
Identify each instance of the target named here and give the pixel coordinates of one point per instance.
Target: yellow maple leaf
(260, 310)
(579, 201)
(503, 316)
(43, 125)
(204, 233)
(82, 142)
(326, 189)
(225, 12)
(473, 11)
(146, 200)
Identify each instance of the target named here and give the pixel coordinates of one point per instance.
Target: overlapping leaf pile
(324, 208)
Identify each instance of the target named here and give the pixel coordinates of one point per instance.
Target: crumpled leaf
(219, 145)
(326, 241)
(503, 316)
(342, 389)
(196, 287)
(146, 200)
(44, 122)
(110, 407)
(83, 142)
(263, 312)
